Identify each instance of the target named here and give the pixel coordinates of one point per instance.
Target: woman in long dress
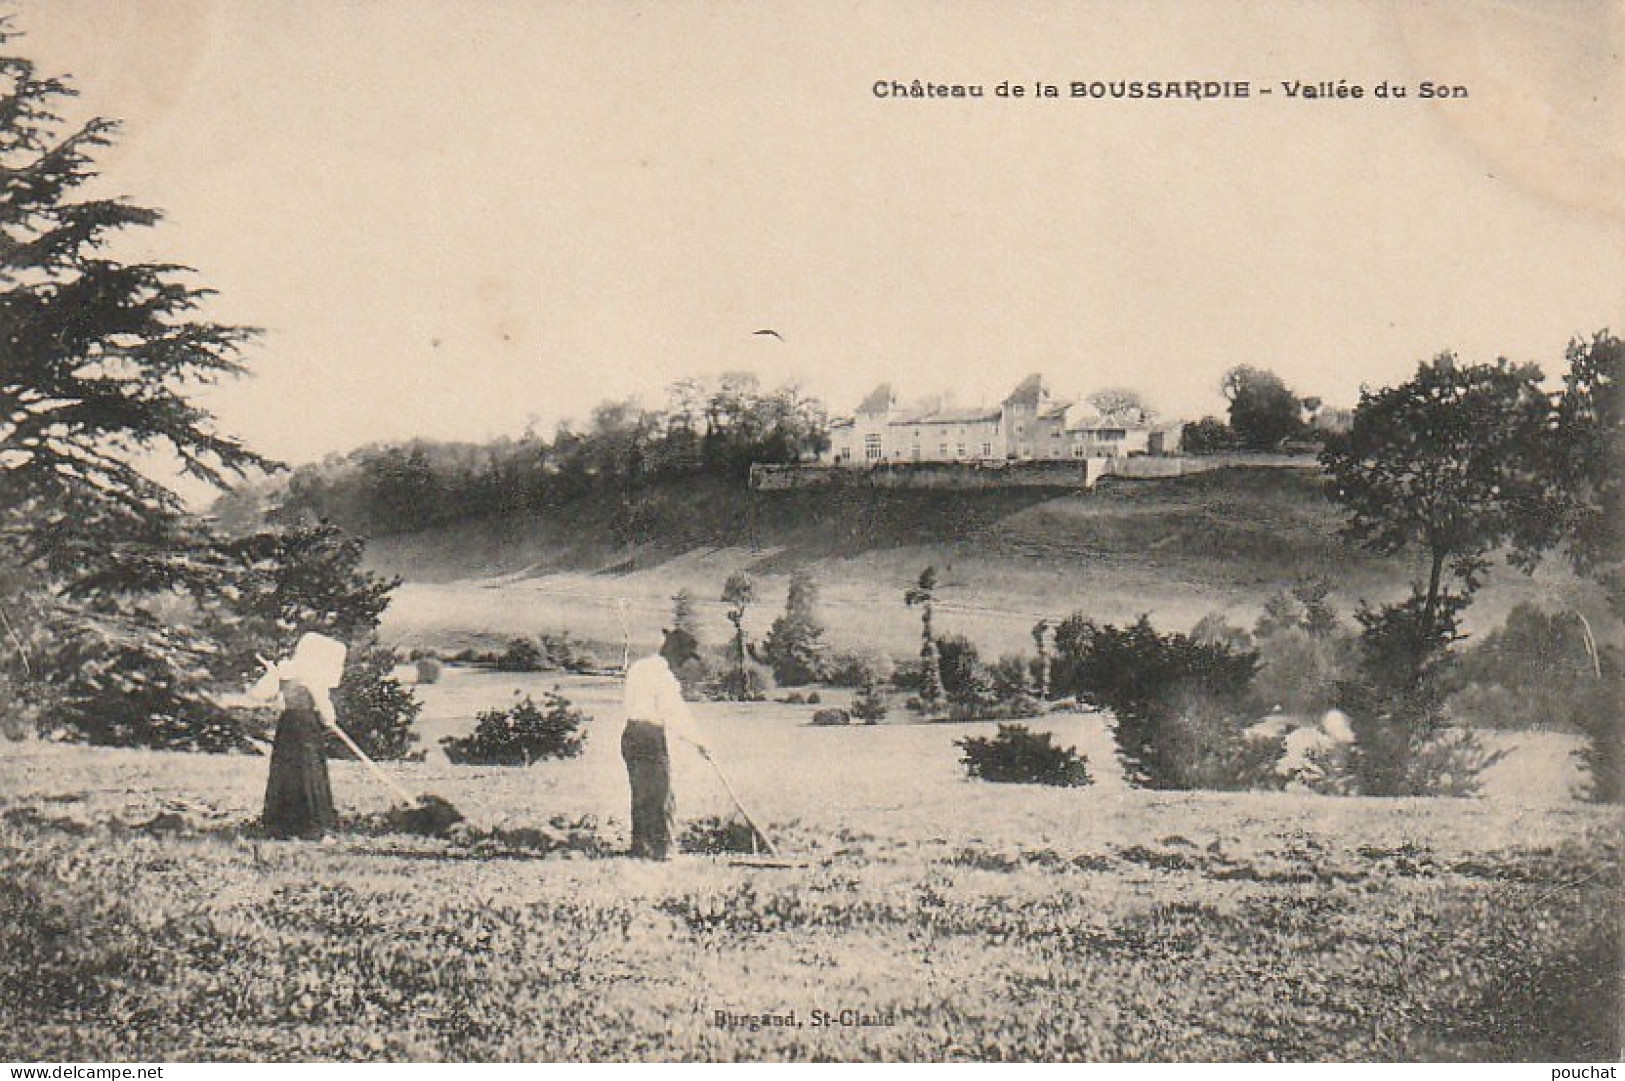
(298, 791)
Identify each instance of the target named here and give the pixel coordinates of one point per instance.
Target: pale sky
(452, 218)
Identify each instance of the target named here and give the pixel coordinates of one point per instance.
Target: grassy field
(146, 920)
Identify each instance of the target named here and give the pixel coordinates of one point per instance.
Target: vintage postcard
(547, 531)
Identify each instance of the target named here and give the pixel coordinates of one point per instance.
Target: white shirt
(317, 664)
(654, 695)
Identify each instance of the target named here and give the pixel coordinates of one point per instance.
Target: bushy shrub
(1020, 756)
(1014, 676)
(909, 676)
(373, 706)
(1403, 742)
(1536, 671)
(1150, 682)
(974, 692)
(522, 655)
(521, 734)
(794, 647)
(1019, 704)
(1603, 756)
(959, 663)
(735, 684)
(132, 681)
(856, 668)
(1215, 629)
(429, 669)
(828, 718)
(1208, 436)
(795, 659)
(869, 705)
(1208, 744)
(695, 672)
(17, 718)
(1074, 637)
(562, 651)
(1305, 606)
(1299, 673)
(1015, 709)
(975, 700)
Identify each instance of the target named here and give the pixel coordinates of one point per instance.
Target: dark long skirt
(298, 794)
(654, 808)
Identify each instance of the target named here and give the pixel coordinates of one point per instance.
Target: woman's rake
(772, 859)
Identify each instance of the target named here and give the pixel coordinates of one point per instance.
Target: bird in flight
(768, 333)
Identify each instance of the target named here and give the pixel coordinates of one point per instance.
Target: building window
(942, 450)
(871, 447)
(961, 452)
(987, 450)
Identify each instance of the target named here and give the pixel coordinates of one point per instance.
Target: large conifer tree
(120, 614)
(97, 356)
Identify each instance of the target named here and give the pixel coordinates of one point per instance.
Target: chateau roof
(950, 416)
(1030, 391)
(1098, 421)
(880, 400)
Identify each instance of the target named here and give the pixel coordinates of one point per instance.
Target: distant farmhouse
(1028, 426)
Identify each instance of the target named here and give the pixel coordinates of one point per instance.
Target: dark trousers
(654, 808)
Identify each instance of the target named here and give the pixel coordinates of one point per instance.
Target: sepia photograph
(548, 531)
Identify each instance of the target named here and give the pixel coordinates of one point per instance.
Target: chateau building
(1029, 425)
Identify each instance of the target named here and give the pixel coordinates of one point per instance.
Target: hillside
(1227, 521)
(1178, 548)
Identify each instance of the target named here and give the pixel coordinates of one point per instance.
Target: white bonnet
(317, 662)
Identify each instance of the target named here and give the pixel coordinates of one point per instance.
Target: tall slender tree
(923, 594)
(739, 593)
(1450, 463)
(1041, 633)
(794, 646)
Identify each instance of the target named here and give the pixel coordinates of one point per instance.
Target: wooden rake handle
(756, 831)
(389, 782)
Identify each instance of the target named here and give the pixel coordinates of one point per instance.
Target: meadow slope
(147, 920)
(1178, 549)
